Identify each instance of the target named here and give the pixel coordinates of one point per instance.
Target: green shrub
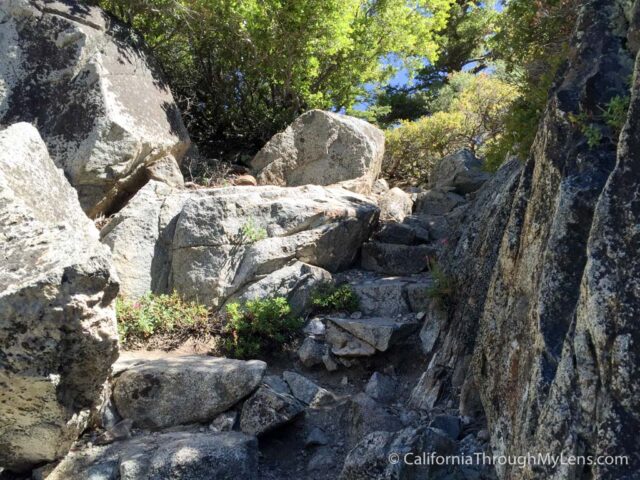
(412, 149)
(443, 287)
(258, 327)
(532, 43)
(472, 113)
(615, 113)
(158, 314)
(330, 298)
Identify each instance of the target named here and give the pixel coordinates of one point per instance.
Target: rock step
(382, 296)
(395, 259)
(166, 392)
(363, 337)
(403, 233)
(177, 456)
(437, 202)
(438, 226)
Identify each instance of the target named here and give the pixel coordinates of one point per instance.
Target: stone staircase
(392, 284)
(394, 331)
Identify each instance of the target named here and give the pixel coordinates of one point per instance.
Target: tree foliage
(532, 42)
(243, 69)
(527, 43)
(471, 113)
(462, 43)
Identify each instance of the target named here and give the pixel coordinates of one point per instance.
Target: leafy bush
(472, 109)
(242, 70)
(258, 327)
(609, 118)
(532, 42)
(158, 314)
(443, 287)
(615, 113)
(330, 298)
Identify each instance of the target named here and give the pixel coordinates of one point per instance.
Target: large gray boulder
(226, 238)
(322, 148)
(140, 237)
(437, 202)
(379, 332)
(101, 106)
(461, 172)
(238, 242)
(395, 205)
(296, 282)
(382, 388)
(395, 259)
(168, 456)
(181, 390)
(57, 322)
(267, 410)
(307, 391)
(390, 296)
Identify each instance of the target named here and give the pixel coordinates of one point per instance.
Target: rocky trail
(337, 407)
(497, 313)
(351, 395)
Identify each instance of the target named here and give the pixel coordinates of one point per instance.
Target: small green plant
(443, 286)
(593, 135)
(591, 131)
(257, 327)
(251, 233)
(330, 298)
(615, 113)
(157, 314)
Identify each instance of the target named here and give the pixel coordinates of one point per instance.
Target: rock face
(168, 456)
(238, 242)
(103, 110)
(369, 460)
(322, 148)
(469, 259)
(57, 322)
(555, 358)
(182, 390)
